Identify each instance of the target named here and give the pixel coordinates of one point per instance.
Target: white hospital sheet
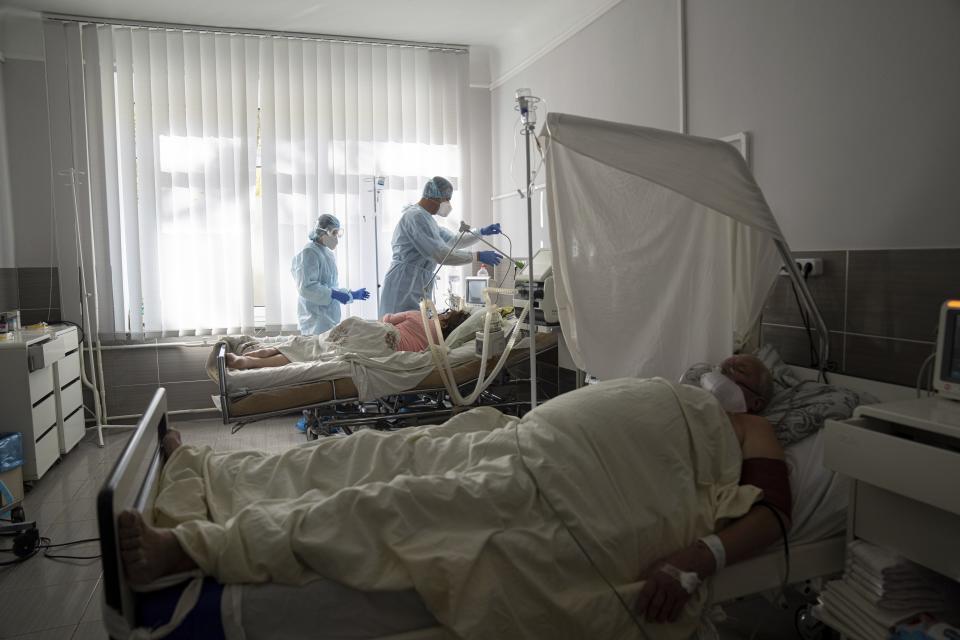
(459, 511)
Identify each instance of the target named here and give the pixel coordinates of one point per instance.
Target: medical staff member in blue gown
(420, 245)
(315, 271)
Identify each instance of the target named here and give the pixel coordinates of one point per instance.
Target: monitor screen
(475, 287)
(953, 353)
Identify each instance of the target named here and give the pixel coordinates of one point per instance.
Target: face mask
(725, 391)
(329, 241)
(445, 209)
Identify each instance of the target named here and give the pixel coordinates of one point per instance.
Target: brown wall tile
(794, 346)
(35, 287)
(827, 290)
(895, 361)
(33, 316)
(898, 293)
(122, 367)
(129, 400)
(179, 364)
(9, 291)
(191, 395)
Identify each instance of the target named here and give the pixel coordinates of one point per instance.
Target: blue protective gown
(419, 245)
(314, 270)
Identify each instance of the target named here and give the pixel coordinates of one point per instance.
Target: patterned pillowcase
(798, 408)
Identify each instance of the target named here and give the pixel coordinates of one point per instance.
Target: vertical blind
(212, 154)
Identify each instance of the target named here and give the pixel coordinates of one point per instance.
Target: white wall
(853, 107)
(622, 67)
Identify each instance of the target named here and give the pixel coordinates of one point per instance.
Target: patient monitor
(541, 281)
(473, 287)
(946, 372)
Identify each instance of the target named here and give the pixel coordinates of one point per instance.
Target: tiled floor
(44, 599)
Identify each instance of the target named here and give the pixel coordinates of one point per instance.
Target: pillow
(798, 408)
(467, 331)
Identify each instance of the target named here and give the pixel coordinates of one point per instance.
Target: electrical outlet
(815, 266)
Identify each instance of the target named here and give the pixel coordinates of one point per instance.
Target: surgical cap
(328, 222)
(438, 188)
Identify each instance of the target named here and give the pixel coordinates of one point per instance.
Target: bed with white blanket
(353, 367)
(521, 575)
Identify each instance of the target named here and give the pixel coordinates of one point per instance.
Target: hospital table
(340, 396)
(816, 549)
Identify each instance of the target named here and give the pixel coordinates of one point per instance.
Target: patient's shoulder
(747, 423)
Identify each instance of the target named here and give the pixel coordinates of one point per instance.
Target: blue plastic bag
(11, 451)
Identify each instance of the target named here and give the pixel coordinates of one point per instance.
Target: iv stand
(526, 105)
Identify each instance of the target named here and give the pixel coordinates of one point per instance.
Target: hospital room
(421, 320)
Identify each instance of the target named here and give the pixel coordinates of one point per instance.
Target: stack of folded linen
(879, 590)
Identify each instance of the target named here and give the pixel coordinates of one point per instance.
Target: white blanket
(361, 354)
(635, 468)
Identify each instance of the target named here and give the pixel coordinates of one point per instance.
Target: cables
(923, 368)
(814, 351)
(29, 543)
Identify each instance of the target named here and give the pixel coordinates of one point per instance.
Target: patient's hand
(662, 597)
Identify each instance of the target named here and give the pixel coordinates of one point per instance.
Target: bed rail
(130, 485)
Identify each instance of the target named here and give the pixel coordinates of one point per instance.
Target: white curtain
(212, 154)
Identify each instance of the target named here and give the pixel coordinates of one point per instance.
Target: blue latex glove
(340, 296)
(490, 229)
(491, 258)
(360, 294)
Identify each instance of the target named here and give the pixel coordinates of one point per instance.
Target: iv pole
(527, 106)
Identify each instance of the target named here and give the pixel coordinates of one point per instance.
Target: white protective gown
(419, 245)
(314, 270)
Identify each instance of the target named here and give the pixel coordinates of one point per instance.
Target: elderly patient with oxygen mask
(597, 514)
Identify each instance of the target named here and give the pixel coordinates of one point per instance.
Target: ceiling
(505, 33)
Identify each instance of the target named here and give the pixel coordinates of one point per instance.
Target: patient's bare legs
(259, 359)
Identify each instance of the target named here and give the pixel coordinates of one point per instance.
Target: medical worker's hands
(340, 296)
(491, 258)
(360, 294)
(663, 597)
(490, 229)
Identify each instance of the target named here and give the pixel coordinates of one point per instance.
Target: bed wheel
(809, 628)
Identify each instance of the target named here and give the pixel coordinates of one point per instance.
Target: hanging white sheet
(663, 246)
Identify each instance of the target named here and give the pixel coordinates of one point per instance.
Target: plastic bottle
(482, 272)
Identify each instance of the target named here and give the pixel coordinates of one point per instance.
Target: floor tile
(30, 610)
(60, 633)
(44, 513)
(78, 509)
(39, 571)
(94, 610)
(90, 631)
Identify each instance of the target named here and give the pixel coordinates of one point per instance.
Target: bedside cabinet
(36, 365)
(904, 460)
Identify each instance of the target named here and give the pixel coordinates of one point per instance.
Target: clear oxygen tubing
(439, 351)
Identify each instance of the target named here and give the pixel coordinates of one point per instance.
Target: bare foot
(236, 362)
(148, 553)
(171, 440)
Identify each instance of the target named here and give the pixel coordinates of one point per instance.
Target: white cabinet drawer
(68, 369)
(54, 350)
(71, 397)
(73, 430)
(47, 451)
(44, 416)
(41, 384)
(70, 340)
(919, 471)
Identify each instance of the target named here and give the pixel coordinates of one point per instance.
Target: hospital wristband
(715, 545)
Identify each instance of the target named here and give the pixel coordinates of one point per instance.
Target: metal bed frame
(346, 414)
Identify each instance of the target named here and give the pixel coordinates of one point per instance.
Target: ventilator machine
(541, 282)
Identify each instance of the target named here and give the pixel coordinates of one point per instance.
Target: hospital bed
(324, 609)
(335, 403)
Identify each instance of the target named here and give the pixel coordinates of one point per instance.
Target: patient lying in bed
(479, 514)
(401, 332)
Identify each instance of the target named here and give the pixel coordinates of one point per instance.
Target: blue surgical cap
(438, 188)
(328, 222)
